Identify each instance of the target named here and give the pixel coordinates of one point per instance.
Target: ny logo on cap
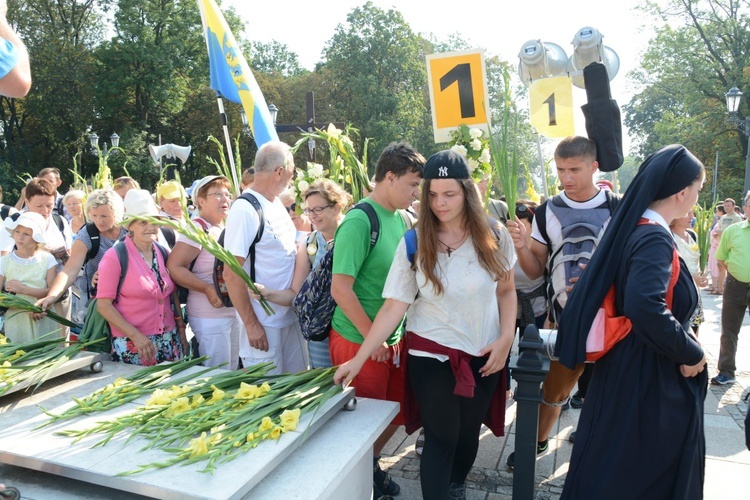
(442, 171)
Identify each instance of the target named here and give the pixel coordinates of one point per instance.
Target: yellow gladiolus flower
(276, 433)
(197, 400)
(179, 405)
(247, 391)
(159, 397)
(289, 419)
(198, 446)
(266, 424)
(218, 394)
(265, 388)
(119, 381)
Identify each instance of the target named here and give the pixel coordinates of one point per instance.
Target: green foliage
(380, 75)
(689, 65)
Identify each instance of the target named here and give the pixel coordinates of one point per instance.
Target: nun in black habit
(640, 433)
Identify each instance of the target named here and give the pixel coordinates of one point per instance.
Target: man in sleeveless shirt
(565, 232)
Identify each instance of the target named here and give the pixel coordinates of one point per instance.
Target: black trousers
(451, 423)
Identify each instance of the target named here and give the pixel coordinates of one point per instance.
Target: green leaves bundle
(190, 230)
(505, 161)
(34, 362)
(22, 305)
(703, 218)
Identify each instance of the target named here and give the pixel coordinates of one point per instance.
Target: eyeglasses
(317, 210)
(291, 208)
(219, 195)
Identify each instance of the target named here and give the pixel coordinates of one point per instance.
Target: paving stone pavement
(727, 458)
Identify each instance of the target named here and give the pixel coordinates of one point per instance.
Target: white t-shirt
(465, 316)
(198, 305)
(275, 253)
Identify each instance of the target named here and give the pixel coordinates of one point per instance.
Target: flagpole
(230, 153)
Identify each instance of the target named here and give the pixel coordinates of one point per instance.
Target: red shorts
(383, 381)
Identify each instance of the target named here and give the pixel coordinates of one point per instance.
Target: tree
(47, 127)
(377, 78)
(700, 50)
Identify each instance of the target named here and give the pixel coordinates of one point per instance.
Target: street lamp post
(94, 140)
(743, 124)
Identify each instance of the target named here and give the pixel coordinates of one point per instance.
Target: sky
(501, 28)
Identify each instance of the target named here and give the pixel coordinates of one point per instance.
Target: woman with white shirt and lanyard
(461, 302)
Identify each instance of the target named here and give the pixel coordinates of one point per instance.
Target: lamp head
(733, 100)
(539, 59)
(274, 111)
(589, 48)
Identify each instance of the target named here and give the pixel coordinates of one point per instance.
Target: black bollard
(528, 369)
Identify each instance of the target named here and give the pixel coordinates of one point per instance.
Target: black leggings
(451, 423)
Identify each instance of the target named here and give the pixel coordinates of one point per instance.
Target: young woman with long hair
(461, 303)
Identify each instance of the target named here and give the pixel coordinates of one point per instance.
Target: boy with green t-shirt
(359, 275)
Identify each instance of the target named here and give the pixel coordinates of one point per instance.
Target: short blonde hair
(74, 193)
(330, 191)
(109, 198)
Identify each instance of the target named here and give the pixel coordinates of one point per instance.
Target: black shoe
(457, 491)
(379, 495)
(565, 406)
(572, 437)
(383, 481)
(576, 401)
(540, 448)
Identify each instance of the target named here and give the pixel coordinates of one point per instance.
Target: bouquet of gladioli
(344, 167)
(703, 219)
(304, 178)
(472, 144)
(218, 417)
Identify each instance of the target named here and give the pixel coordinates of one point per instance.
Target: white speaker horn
(539, 59)
(170, 151)
(589, 48)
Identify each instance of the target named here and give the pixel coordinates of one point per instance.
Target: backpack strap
(169, 235)
(312, 238)
(540, 216)
(261, 226)
(95, 237)
(374, 221)
(410, 238)
(59, 221)
(122, 256)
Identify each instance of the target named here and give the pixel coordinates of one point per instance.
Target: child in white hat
(27, 271)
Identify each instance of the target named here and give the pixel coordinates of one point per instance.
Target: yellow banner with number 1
(551, 106)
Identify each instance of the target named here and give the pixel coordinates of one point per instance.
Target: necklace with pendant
(450, 248)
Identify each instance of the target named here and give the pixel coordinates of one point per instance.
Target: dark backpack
(314, 304)
(4, 211)
(218, 273)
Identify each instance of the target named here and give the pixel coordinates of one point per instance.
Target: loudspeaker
(539, 59)
(170, 151)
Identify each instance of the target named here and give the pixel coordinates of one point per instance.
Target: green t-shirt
(369, 268)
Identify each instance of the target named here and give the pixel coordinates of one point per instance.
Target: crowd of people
(429, 296)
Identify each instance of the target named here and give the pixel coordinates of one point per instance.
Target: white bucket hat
(31, 220)
(138, 202)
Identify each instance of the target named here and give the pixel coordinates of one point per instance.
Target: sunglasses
(292, 208)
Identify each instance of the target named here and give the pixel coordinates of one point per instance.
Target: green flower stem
(196, 234)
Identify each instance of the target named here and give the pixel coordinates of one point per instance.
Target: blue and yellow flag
(230, 74)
